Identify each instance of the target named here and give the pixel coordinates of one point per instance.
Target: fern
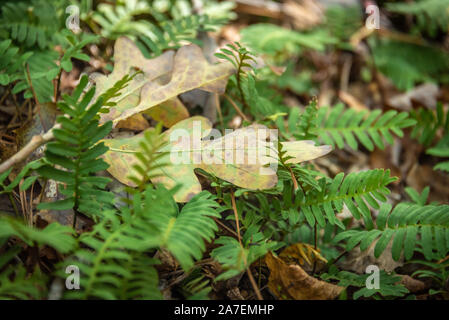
(406, 64)
(356, 191)
(438, 271)
(181, 232)
(115, 262)
(144, 280)
(428, 122)
(14, 284)
(274, 40)
(307, 126)
(420, 199)
(236, 258)
(119, 20)
(431, 15)
(388, 283)
(343, 21)
(337, 126)
(33, 22)
(11, 67)
(441, 149)
(407, 226)
(76, 150)
(105, 262)
(171, 34)
(54, 235)
(429, 125)
(148, 157)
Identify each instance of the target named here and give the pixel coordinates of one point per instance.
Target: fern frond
(144, 280)
(181, 232)
(406, 64)
(77, 151)
(389, 285)
(16, 285)
(54, 235)
(33, 22)
(171, 34)
(148, 156)
(117, 20)
(236, 258)
(410, 227)
(11, 66)
(428, 122)
(441, 149)
(357, 191)
(337, 126)
(431, 15)
(105, 261)
(306, 128)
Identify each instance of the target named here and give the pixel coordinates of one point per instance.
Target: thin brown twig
(295, 182)
(236, 215)
(31, 84)
(236, 107)
(254, 284)
(226, 227)
(34, 143)
(248, 271)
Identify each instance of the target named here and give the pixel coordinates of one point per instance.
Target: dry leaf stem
(248, 271)
(237, 109)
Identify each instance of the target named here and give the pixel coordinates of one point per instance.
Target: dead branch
(34, 143)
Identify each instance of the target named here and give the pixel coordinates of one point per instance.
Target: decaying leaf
(233, 157)
(292, 282)
(169, 112)
(127, 56)
(301, 253)
(163, 78)
(137, 122)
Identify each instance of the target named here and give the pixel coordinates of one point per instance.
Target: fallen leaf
(413, 285)
(189, 70)
(127, 56)
(301, 253)
(357, 260)
(169, 112)
(292, 282)
(137, 123)
(423, 95)
(192, 151)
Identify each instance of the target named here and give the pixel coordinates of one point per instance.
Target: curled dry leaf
(242, 162)
(169, 112)
(137, 123)
(163, 78)
(127, 56)
(292, 282)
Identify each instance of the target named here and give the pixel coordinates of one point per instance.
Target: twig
(236, 215)
(236, 107)
(248, 271)
(13, 203)
(34, 143)
(254, 284)
(226, 227)
(31, 84)
(295, 182)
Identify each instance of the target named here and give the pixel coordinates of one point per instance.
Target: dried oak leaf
(186, 153)
(169, 112)
(126, 57)
(188, 70)
(292, 282)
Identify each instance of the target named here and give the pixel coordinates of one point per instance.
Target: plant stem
(236, 215)
(13, 202)
(236, 107)
(254, 284)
